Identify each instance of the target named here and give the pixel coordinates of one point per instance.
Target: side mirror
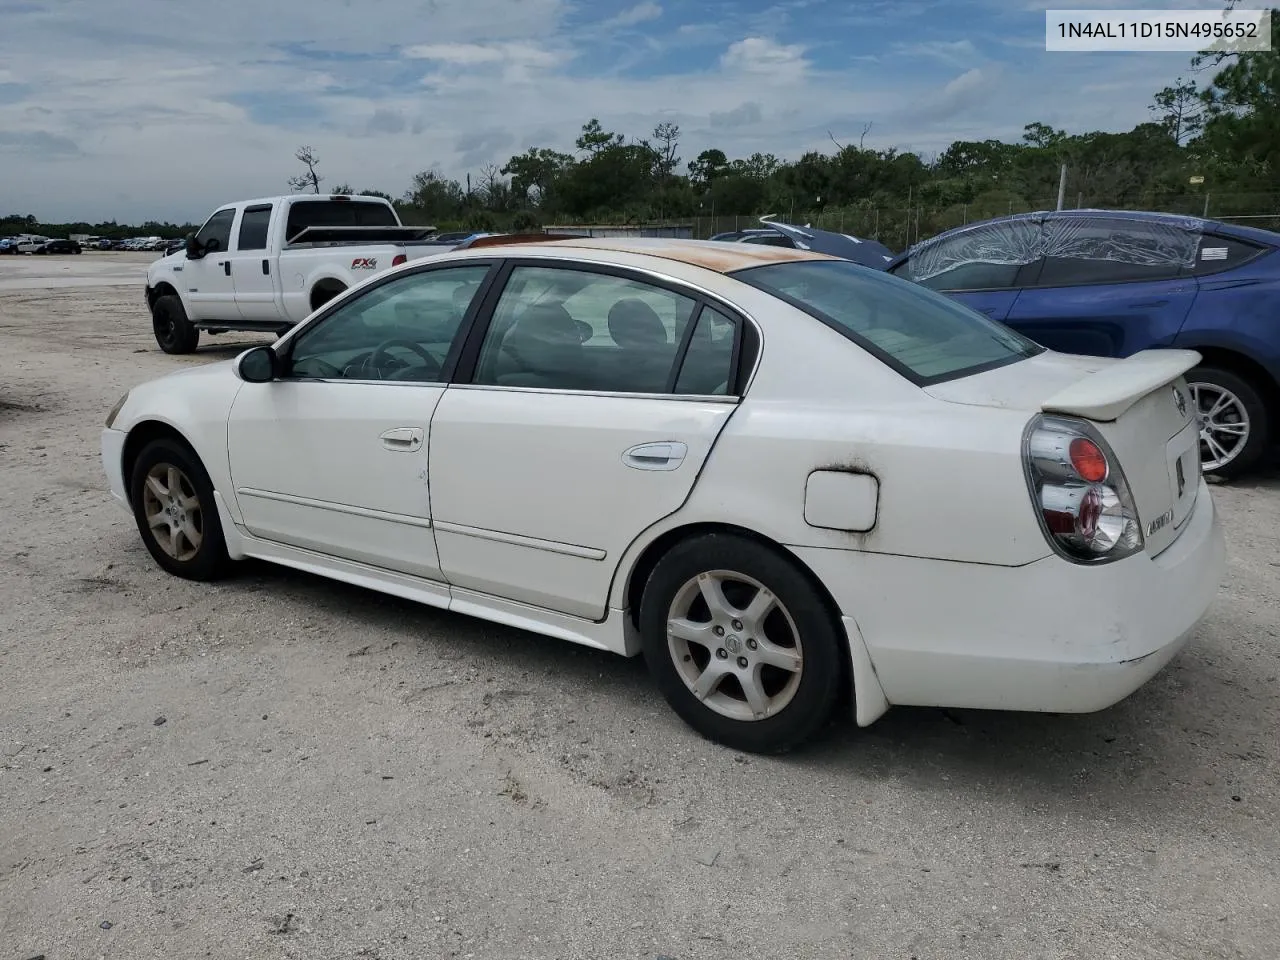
(258, 365)
(194, 250)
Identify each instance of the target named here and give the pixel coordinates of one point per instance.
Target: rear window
(924, 335)
(338, 213)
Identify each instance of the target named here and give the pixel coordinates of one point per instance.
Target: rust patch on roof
(719, 256)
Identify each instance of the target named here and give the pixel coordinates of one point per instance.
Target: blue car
(1110, 283)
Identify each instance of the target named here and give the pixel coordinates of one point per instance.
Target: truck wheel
(1234, 426)
(173, 330)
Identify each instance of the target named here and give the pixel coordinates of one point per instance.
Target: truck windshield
(338, 213)
(925, 336)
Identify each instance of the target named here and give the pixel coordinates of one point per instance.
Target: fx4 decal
(364, 263)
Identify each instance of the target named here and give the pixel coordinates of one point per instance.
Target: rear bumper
(112, 444)
(1049, 636)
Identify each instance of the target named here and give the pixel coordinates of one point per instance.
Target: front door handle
(226, 267)
(664, 455)
(402, 439)
(266, 268)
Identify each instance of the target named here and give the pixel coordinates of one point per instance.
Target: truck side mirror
(194, 250)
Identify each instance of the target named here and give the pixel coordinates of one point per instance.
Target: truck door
(253, 267)
(209, 291)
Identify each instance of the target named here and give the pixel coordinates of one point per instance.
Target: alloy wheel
(734, 645)
(1224, 424)
(173, 511)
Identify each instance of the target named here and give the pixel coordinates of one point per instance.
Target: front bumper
(112, 444)
(1048, 636)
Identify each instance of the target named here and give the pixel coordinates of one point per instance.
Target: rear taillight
(398, 259)
(1079, 491)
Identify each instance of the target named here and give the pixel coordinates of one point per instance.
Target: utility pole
(1062, 186)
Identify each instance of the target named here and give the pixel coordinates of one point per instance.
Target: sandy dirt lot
(281, 766)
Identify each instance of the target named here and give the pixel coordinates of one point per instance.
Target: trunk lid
(1140, 405)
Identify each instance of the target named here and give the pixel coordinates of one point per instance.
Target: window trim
(266, 239)
(880, 354)
(745, 347)
(284, 347)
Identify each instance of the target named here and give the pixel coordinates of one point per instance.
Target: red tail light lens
(398, 259)
(1088, 460)
(1079, 490)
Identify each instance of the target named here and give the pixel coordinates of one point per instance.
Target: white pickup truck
(267, 264)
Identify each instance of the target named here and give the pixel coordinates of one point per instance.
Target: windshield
(925, 336)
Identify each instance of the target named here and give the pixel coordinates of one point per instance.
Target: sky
(164, 109)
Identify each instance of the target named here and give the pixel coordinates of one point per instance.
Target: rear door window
(1100, 250)
(253, 228)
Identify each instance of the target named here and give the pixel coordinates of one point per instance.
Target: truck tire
(174, 332)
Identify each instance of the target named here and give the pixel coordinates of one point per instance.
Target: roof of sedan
(714, 255)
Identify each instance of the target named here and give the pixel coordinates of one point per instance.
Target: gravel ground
(282, 766)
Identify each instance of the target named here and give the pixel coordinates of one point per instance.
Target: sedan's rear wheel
(741, 644)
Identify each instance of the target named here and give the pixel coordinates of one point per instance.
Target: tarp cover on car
(866, 252)
(1023, 238)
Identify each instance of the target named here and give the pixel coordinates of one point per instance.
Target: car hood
(1023, 385)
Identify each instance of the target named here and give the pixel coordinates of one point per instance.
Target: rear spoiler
(1107, 393)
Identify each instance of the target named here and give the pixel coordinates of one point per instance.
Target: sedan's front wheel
(741, 644)
(175, 511)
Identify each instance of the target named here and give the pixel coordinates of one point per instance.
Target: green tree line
(1215, 139)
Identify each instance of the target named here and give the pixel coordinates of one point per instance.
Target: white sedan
(789, 481)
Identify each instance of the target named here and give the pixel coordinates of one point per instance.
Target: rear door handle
(266, 268)
(402, 439)
(664, 455)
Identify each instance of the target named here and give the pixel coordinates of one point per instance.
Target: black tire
(174, 332)
(824, 659)
(1257, 439)
(208, 560)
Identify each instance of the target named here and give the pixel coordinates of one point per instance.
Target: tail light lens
(1079, 490)
(398, 259)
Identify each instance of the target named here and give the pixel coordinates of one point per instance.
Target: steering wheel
(379, 355)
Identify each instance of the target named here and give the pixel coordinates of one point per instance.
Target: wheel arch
(638, 574)
(1244, 366)
(141, 434)
(325, 289)
(162, 289)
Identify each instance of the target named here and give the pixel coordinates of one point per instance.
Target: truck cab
(267, 264)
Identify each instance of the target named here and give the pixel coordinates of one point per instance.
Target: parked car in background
(266, 264)
(8, 245)
(749, 463)
(58, 246)
(1113, 283)
(105, 243)
(870, 253)
(30, 244)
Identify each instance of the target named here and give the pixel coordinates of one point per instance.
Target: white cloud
(474, 54)
(640, 13)
(766, 58)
